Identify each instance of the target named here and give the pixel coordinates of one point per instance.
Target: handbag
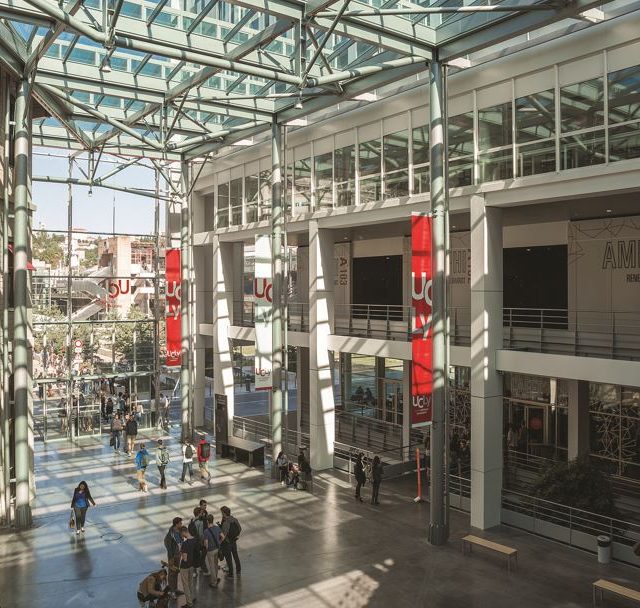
(72, 521)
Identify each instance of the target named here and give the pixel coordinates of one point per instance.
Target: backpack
(192, 529)
(144, 460)
(234, 530)
(205, 451)
(164, 456)
(188, 452)
(211, 538)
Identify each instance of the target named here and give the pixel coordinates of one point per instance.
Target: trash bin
(604, 549)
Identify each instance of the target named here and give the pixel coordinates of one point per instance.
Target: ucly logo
(174, 296)
(262, 289)
(421, 300)
(421, 401)
(121, 287)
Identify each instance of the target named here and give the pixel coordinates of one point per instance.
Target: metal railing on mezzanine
(260, 432)
(297, 315)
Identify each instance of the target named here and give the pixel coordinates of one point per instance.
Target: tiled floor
(298, 550)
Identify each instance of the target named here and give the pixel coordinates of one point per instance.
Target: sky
(134, 214)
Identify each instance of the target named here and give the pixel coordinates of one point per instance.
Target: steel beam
(186, 403)
(97, 183)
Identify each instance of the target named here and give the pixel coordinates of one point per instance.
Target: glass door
(393, 402)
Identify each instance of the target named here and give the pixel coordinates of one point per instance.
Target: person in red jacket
(204, 453)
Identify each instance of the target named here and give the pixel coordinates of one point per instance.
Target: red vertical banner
(421, 338)
(173, 319)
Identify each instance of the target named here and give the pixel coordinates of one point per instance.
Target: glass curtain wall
(96, 329)
(558, 128)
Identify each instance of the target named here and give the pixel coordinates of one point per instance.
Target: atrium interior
(351, 232)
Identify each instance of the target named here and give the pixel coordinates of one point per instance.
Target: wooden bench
(601, 585)
(470, 540)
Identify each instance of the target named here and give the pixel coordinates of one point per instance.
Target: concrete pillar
(322, 404)
(486, 383)
(578, 431)
(22, 305)
(223, 280)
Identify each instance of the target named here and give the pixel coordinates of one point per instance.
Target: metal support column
(185, 309)
(72, 429)
(156, 304)
(277, 228)
(21, 364)
(5, 484)
(439, 524)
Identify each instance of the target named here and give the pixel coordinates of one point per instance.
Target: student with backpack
(162, 460)
(212, 547)
(231, 530)
(131, 429)
(142, 462)
(204, 453)
(187, 460)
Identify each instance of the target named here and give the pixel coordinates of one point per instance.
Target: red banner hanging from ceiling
(173, 318)
(421, 338)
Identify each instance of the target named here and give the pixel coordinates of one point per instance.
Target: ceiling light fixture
(106, 65)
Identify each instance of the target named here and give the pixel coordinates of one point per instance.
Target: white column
(222, 307)
(486, 383)
(322, 405)
(578, 431)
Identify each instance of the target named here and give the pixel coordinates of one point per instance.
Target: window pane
(624, 95)
(582, 105)
(420, 145)
(461, 134)
(223, 205)
(624, 142)
(582, 150)
(344, 171)
(265, 194)
(537, 158)
(496, 165)
(251, 192)
(396, 184)
(369, 152)
(494, 126)
(302, 180)
(421, 179)
(324, 180)
(235, 197)
(460, 172)
(396, 151)
(535, 116)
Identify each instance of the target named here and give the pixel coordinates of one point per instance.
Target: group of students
(193, 550)
(292, 474)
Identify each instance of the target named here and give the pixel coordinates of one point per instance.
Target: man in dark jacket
(172, 543)
(361, 478)
(131, 428)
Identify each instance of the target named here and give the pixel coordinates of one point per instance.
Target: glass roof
(168, 78)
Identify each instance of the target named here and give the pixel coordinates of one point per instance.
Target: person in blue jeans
(116, 432)
(80, 503)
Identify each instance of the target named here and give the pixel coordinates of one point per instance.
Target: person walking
(187, 559)
(172, 543)
(204, 453)
(142, 462)
(376, 479)
(80, 503)
(230, 533)
(131, 428)
(164, 410)
(187, 460)
(282, 462)
(212, 548)
(360, 476)
(162, 460)
(116, 431)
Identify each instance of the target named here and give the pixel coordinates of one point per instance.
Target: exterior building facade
(543, 300)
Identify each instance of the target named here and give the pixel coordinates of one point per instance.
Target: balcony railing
(612, 335)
